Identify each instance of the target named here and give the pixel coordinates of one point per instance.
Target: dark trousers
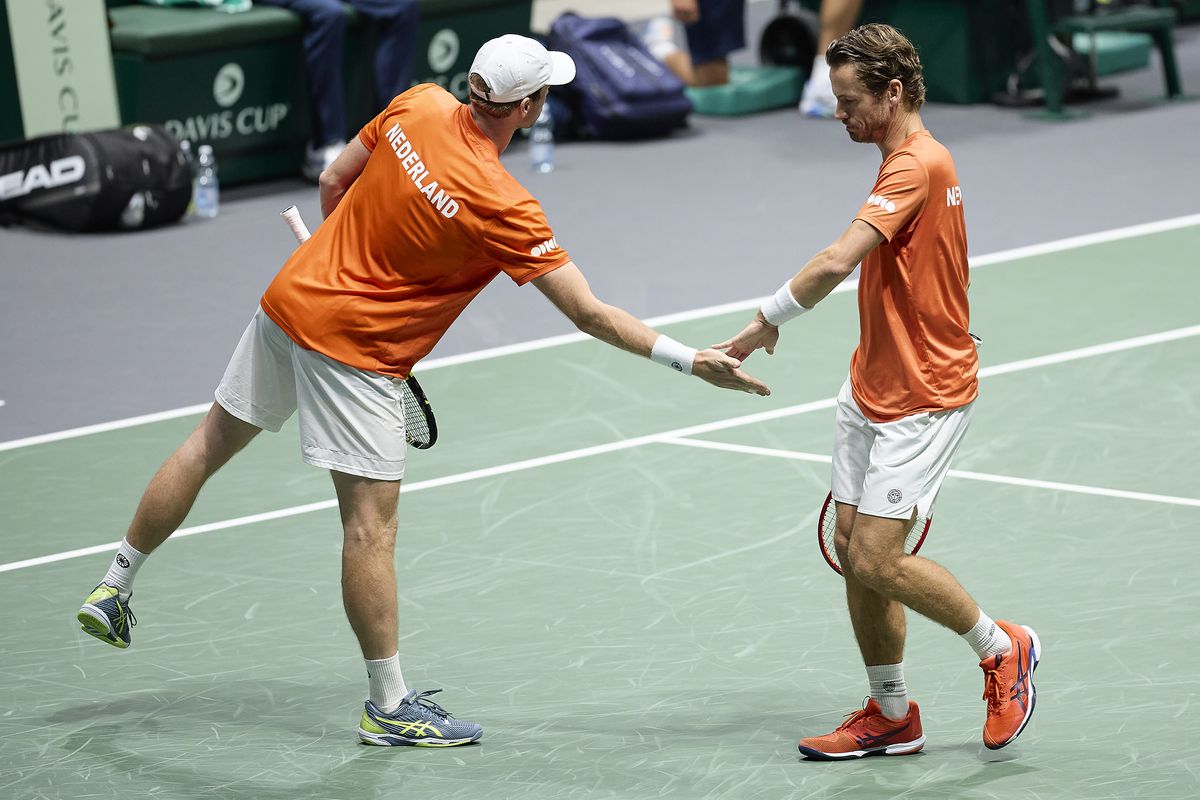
(394, 23)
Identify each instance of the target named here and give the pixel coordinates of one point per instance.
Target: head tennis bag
(620, 91)
(107, 180)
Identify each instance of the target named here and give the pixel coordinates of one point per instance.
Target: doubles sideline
(985, 477)
(675, 437)
(1058, 245)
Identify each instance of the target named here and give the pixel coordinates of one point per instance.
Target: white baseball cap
(517, 66)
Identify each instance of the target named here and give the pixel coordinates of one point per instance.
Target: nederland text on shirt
(415, 168)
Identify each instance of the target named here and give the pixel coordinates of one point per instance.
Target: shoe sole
(905, 749)
(1035, 658)
(95, 623)
(384, 740)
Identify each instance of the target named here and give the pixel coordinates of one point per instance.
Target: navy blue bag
(620, 91)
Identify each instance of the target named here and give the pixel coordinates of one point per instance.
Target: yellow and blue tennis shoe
(106, 616)
(416, 722)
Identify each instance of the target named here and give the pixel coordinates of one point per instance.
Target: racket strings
(416, 425)
(912, 541)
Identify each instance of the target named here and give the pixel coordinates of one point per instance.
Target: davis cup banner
(63, 64)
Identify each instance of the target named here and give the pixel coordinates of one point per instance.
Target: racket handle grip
(291, 215)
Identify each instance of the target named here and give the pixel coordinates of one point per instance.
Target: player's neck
(498, 131)
(904, 126)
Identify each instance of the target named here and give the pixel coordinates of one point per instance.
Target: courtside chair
(1054, 25)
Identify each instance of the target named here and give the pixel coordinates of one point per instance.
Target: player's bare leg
(368, 509)
(174, 488)
(875, 554)
(168, 498)
(392, 715)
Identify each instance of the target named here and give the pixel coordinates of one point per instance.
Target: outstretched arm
(335, 180)
(809, 286)
(567, 288)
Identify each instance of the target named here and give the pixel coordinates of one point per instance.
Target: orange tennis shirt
(914, 352)
(430, 221)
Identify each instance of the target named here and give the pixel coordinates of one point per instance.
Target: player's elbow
(590, 319)
(833, 264)
(329, 182)
(587, 313)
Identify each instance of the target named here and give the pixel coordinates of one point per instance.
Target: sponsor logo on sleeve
(882, 202)
(548, 246)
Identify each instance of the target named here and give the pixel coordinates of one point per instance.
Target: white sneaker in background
(817, 104)
(818, 100)
(318, 159)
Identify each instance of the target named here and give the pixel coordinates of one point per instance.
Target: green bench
(967, 47)
(1048, 22)
(237, 82)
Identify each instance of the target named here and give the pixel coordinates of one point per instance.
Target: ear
(895, 91)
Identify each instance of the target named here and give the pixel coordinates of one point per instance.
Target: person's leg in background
(715, 28)
(324, 39)
(838, 17)
(395, 24)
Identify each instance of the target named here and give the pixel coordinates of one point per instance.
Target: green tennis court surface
(643, 615)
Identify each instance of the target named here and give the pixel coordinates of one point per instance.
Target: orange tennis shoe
(868, 733)
(1008, 686)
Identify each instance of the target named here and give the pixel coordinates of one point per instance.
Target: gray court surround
(104, 327)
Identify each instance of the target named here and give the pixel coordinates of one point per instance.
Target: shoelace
(853, 717)
(993, 690)
(422, 701)
(123, 614)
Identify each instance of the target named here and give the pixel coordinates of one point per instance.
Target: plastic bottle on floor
(208, 189)
(189, 160)
(541, 141)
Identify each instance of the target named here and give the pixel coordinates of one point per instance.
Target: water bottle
(207, 188)
(189, 160)
(541, 141)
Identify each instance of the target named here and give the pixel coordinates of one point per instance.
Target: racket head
(827, 529)
(420, 427)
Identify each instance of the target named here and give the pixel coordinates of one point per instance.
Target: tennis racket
(420, 428)
(827, 527)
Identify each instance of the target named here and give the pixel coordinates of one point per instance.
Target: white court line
(1002, 256)
(626, 444)
(448, 480)
(986, 477)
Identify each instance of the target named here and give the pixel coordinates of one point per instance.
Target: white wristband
(782, 306)
(670, 353)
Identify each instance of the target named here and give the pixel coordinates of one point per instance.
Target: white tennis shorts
(888, 468)
(351, 421)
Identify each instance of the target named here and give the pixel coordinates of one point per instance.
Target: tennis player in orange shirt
(420, 215)
(906, 404)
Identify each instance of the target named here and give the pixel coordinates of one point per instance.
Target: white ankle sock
(124, 566)
(987, 638)
(888, 689)
(387, 683)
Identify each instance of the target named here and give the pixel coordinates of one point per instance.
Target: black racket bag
(121, 179)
